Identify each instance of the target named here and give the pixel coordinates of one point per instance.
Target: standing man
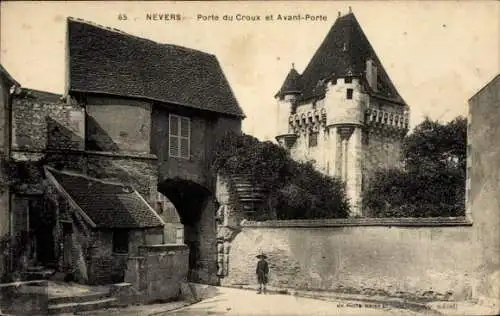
(262, 271)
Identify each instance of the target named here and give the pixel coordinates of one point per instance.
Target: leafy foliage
(433, 181)
(294, 190)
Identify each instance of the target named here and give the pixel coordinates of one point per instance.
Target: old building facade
(483, 185)
(138, 113)
(8, 87)
(343, 112)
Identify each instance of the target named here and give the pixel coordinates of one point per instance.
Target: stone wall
(4, 189)
(205, 130)
(207, 270)
(118, 124)
(46, 122)
(483, 200)
(158, 272)
(381, 149)
(107, 267)
(392, 257)
(139, 171)
(24, 298)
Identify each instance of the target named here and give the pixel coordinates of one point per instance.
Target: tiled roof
(108, 205)
(41, 95)
(343, 53)
(104, 60)
(292, 83)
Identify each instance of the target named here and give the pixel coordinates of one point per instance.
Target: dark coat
(262, 271)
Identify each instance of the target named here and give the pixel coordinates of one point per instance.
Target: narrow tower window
(349, 94)
(313, 139)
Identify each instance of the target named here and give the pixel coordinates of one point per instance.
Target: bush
(399, 193)
(294, 190)
(433, 182)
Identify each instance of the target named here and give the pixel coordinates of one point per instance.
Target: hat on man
(261, 255)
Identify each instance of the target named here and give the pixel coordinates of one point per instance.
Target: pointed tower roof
(344, 53)
(292, 84)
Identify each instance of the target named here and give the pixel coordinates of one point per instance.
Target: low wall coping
(28, 283)
(70, 151)
(164, 247)
(348, 222)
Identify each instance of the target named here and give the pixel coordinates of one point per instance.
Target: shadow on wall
(188, 197)
(61, 137)
(97, 138)
(192, 203)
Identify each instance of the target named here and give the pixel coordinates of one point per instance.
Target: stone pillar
(228, 221)
(345, 159)
(354, 178)
(345, 133)
(350, 171)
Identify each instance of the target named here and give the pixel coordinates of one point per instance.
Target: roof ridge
(87, 177)
(489, 82)
(42, 91)
(8, 75)
(118, 31)
(343, 52)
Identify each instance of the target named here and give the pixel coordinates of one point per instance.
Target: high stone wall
(424, 262)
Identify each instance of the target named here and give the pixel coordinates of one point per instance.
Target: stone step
(57, 309)
(81, 298)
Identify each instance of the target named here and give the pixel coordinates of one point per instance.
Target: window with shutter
(179, 136)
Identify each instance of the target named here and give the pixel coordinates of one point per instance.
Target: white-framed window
(179, 136)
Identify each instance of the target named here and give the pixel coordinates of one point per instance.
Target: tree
(294, 190)
(434, 145)
(433, 181)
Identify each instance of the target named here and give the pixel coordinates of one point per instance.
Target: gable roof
(490, 83)
(106, 204)
(7, 77)
(343, 53)
(109, 61)
(40, 95)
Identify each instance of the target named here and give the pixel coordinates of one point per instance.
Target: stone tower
(343, 112)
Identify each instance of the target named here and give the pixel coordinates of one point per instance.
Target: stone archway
(196, 207)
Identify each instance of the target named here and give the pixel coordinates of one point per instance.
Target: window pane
(174, 125)
(174, 146)
(185, 127)
(349, 94)
(185, 147)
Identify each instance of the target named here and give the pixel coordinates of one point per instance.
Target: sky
(438, 54)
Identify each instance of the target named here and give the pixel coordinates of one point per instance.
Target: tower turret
(286, 103)
(343, 112)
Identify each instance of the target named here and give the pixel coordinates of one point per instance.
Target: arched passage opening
(196, 207)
